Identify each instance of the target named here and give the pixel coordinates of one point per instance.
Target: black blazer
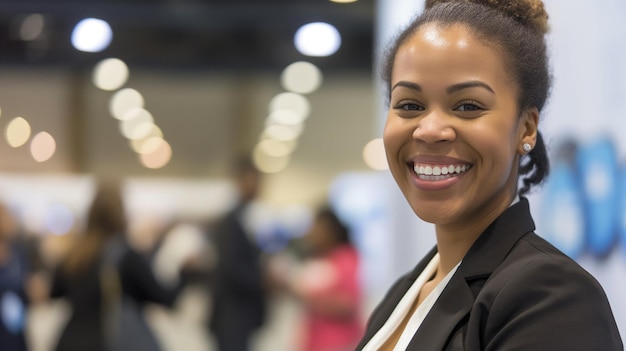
(239, 301)
(513, 291)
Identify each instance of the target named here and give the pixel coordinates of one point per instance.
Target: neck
(453, 245)
(453, 241)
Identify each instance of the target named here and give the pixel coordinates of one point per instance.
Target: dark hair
(247, 178)
(106, 219)
(107, 214)
(517, 28)
(342, 233)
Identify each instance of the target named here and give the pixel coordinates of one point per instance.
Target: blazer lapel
(453, 305)
(390, 301)
(492, 247)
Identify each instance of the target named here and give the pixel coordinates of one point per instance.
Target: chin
(431, 216)
(434, 211)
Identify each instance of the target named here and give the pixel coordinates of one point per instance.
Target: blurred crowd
(116, 288)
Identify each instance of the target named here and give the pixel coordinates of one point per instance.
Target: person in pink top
(327, 283)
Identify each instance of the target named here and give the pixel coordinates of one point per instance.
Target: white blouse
(404, 307)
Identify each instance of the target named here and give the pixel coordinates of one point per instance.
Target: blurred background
(168, 93)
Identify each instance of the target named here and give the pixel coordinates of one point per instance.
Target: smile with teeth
(439, 172)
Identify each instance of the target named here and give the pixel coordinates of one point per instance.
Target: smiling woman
(467, 83)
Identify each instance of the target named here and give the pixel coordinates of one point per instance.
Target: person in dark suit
(238, 282)
(467, 82)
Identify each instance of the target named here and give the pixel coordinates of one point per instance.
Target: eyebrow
(470, 84)
(451, 89)
(412, 86)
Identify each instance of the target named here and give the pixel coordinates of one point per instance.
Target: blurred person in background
(238, 283)
(19, 286)
(328, 285)
(79, 277)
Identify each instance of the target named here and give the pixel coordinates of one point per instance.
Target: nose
(434, 127)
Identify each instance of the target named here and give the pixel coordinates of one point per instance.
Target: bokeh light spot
(292, 102)
(110, 74)
(92, 35)
(147, 145)
(123, 101)
(277, 148)
(159, 158)
(42, 147)
(18, 132)
(374, 155)
(317, 39)
(287, 117)
(267, 163)
(282, 132)
(138, 144)
(32, 27)
(301, 77)
(137, 123)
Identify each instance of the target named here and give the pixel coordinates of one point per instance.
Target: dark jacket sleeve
(547, 305)
(57, 285)
(140, 282)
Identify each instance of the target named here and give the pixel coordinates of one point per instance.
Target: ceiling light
(123, 101)
(301, 77)
(317, 39)
(42, 147)
(32, 27)
(110, 74)
(18, 132)
(291, 102)
(92, 35)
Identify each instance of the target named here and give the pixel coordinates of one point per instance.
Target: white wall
(589, 61)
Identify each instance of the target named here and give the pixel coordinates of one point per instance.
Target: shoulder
(535, 260)
(540, 295)
(534, 266)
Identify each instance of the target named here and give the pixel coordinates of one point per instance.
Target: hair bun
(530, 13)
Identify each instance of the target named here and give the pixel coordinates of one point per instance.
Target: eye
(409, 106)
(468, 106)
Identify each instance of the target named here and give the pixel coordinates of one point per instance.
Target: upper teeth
(439, 170)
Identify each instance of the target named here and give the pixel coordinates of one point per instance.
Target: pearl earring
(527, 148)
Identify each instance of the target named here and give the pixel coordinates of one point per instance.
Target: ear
(527, 129)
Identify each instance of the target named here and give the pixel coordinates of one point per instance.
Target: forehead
(435, 49)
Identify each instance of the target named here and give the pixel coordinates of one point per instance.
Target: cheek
(496, 143)
(392, 137)
(388, 143)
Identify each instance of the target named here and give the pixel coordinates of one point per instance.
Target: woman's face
(454, 132)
